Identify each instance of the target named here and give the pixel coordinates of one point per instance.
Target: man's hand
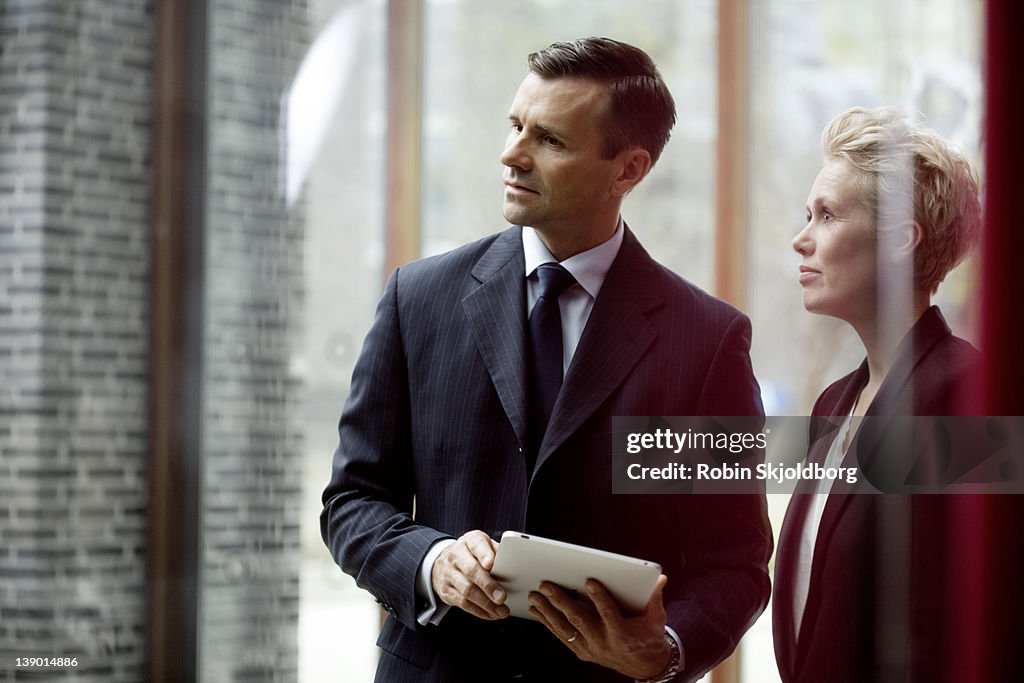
(461, 577)
(596, 631)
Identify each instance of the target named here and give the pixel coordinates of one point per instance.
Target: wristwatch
(675, 657)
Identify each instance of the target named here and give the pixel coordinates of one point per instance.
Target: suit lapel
(616, 336)
(498, 329)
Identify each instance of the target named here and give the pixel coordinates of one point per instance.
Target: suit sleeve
(367, 519)
(725, 583)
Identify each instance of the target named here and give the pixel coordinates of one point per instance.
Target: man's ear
(636, 162)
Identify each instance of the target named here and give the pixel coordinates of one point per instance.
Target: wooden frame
(175, 350)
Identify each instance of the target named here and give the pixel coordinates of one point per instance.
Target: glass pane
(343, 274)
(293, 270)
(809, 62)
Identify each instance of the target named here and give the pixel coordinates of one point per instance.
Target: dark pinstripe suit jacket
(436, 415)
(876, 604)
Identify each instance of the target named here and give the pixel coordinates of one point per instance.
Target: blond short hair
(882, 145)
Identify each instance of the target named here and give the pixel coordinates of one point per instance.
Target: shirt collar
(588, 267)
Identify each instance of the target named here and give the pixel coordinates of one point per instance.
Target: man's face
(555, 178)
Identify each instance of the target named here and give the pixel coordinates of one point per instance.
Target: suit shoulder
(680, 292)
(956, 354)
(939, 381)
(945, 376)
(442, 270)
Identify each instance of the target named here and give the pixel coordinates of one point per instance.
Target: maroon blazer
(879, 572)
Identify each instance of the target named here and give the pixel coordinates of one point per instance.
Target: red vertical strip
(1000, 519)
(1003, 241)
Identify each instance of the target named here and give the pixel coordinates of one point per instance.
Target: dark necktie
(545, 362)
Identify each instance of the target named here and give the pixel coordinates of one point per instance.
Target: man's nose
(515, 154)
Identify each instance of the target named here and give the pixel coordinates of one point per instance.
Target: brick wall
(252, 452)
(75, 119)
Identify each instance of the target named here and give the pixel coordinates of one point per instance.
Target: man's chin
(515, 215)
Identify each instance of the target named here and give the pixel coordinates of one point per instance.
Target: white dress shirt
(576, 302)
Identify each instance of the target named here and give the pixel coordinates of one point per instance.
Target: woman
(860, 579)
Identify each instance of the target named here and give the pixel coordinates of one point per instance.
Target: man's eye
(517, 127)
(826, 215)
(554, 142)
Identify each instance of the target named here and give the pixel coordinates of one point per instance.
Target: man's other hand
(596, 631)
(461, 577)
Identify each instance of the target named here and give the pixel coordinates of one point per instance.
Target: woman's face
(839, 269)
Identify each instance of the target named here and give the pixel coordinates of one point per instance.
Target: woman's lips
(807, 274)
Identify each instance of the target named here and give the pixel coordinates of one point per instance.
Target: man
(459, 424)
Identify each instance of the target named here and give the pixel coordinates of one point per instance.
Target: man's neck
(566, 243)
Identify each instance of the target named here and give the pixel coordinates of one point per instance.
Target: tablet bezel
(525, 560)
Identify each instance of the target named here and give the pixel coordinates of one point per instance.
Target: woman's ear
(901, 240)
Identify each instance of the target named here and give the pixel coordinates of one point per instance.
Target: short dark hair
(641, 110)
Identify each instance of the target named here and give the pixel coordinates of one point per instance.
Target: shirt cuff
(431, 610)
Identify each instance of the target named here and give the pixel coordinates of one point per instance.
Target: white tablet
(524, 561)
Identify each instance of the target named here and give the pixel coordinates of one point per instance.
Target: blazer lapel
(827, 430)
(616, 336)
(783, 617)
(500, 329)
(896, 395)
(895, 398)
